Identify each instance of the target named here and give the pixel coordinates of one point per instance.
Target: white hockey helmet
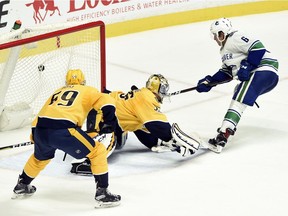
(159, 85)
(221, 25)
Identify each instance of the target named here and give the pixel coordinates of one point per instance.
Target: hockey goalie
(138, 111)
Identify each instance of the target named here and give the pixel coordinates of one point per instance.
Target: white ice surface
(250, 177)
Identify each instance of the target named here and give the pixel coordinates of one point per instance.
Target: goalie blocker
(180, 142)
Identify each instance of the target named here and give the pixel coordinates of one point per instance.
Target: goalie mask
(221, 25)
(75, 77)
(159, 85)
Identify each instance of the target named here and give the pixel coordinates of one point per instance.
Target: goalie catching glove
(171, 145)
(180, 142)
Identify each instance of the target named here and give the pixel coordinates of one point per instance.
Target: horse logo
(46, 5)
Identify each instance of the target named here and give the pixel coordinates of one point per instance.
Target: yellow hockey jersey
(137, 107)
(69, 106)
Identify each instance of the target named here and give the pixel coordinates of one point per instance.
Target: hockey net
(34, 62)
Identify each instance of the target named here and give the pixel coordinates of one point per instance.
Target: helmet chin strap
(159, 99)
(221, 41)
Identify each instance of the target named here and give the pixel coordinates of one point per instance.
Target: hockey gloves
(171, 145)
(203, 84)
(133, 87)
(244, 70)
(105, 128)
(110, 120)
(106, 91)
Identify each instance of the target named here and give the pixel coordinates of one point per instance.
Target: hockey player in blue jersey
(243, 58)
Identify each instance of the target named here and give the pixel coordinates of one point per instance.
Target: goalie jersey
(138, 111)
(136, 108)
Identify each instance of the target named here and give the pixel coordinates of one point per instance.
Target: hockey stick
(16, 145)
(194, 88)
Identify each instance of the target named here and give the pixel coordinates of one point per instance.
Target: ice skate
(218, 143)
(23, 190)
(105, 199)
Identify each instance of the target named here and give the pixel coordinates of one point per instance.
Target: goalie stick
(195, 87)
(16, 145)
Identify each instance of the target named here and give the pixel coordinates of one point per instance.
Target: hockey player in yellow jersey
(138, 111)
(58, 126)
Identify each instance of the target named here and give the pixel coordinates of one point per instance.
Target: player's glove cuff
(203, 84)
(245, 70)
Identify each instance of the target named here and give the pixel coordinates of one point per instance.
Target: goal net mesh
(34, 62)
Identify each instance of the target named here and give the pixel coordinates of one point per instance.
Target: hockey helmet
(221, 25)
(159, 85)
(75, 77)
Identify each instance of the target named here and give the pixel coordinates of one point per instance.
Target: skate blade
(20, 196)
(100, 204)
(217, 149)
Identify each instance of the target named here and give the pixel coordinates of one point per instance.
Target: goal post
(34, 62)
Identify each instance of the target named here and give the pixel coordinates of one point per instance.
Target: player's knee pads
(108, 140)
(98, 159)
(34, 166)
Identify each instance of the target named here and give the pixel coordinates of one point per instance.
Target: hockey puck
(41, 68)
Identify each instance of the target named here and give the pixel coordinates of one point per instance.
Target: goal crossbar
(68, 30)
(34, 62)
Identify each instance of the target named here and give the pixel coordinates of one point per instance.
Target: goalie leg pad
(183, 139)
(81, 166)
